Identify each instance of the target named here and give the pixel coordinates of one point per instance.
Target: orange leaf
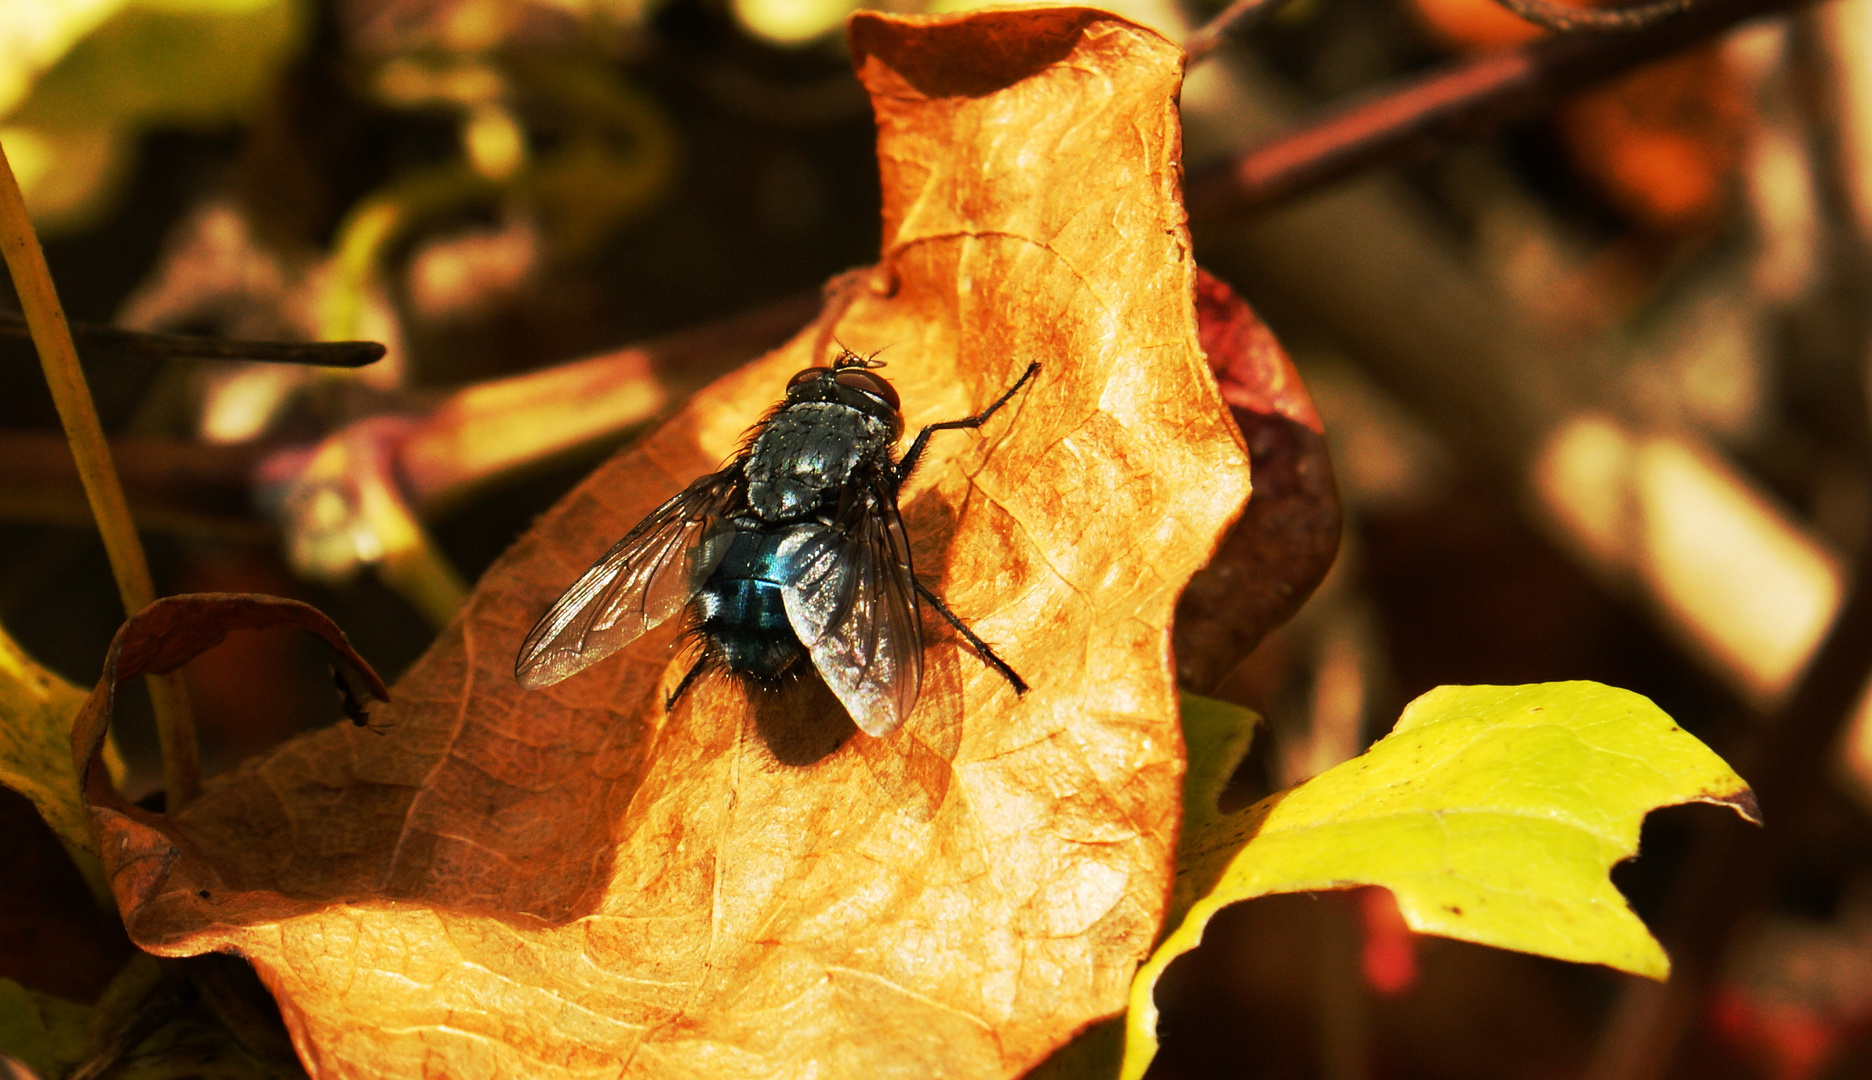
(573, 881)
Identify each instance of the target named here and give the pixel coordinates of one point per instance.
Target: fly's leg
(905, 466)
(348, 702)
(987, 651)
(910, 457)
(669, 704)
(350, 705)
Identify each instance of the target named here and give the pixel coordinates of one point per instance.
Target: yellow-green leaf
(1494, 814)
(36, 711)
(1215, 739)
(47, 1034)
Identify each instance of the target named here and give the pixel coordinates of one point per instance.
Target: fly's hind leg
(348, 702)
(669, 704)
(982, 647)
(910, 457)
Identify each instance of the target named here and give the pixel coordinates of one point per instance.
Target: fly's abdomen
(741, 613)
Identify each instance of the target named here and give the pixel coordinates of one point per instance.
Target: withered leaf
(1280, 550)
(573, 881)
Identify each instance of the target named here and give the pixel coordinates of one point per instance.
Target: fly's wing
(647, 577)
(851, 601)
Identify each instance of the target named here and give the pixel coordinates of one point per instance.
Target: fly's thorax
(807, 453)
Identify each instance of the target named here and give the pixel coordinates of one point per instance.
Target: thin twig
(1567, 19)
(32, 280)
(110, 340)
(1467, 100)
(1239, 17)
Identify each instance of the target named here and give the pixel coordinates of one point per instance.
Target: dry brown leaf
(571, 882)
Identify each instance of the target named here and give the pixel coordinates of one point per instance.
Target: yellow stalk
(175, 726)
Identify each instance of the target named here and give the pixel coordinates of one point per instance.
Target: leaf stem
(32, 280)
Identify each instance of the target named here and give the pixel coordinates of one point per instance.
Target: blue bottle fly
(792, 557)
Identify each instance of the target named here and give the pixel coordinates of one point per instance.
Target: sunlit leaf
(34, 34)
(1493, 814)
(492, 881)
(792, 22)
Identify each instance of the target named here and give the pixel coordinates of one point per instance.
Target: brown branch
(1466, 100)
(496, 428)
(1569, 19)
(71, 396)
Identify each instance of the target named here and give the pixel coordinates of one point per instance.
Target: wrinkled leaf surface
(572, 881)
(1494, 814)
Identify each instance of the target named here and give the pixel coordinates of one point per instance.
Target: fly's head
(850, 381)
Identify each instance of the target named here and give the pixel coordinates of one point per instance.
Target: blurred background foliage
(1595, 385)
(82, 82)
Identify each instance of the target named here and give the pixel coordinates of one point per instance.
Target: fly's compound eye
(859, 379)
(811, 374)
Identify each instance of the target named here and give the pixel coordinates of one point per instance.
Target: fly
(794, 555)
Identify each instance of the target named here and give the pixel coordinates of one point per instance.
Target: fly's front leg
(982, 647)
(910, 457)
